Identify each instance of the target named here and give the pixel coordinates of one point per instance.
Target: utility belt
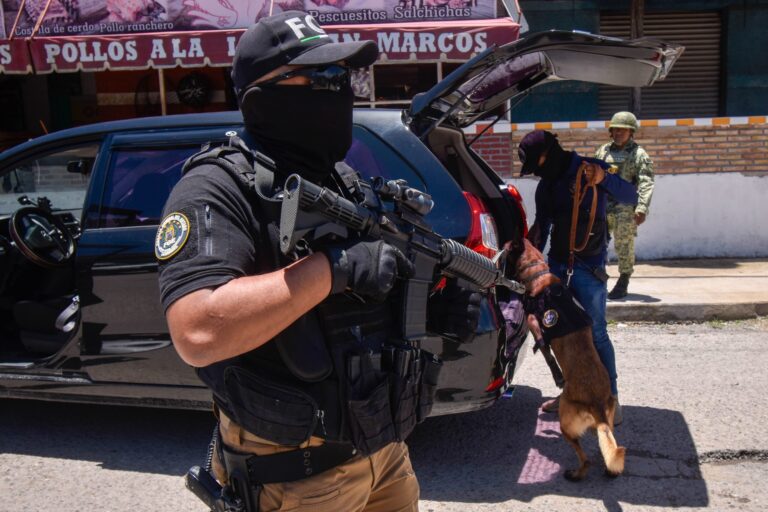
(387, 394)
(248, 473)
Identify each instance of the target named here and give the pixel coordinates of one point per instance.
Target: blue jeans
(592, 294)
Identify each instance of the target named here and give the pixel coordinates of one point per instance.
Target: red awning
(429, 40)
(402, 42)
(14, 57)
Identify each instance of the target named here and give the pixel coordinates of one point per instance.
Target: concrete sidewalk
(694, 290)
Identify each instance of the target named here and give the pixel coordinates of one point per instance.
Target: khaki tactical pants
(382, 482)
(621, 224)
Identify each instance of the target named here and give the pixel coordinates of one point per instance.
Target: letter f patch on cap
(296, 25)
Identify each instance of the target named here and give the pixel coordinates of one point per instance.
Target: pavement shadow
(159, 441)
(636, 297)
(694, 263)
(513, 451)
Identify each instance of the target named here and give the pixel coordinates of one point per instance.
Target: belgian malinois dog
(586, 401)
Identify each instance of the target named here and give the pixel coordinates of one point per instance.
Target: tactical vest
(326, 374)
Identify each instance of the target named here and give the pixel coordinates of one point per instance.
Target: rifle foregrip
(461, 261)
(328, 203)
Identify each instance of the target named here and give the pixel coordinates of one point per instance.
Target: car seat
(147, 199)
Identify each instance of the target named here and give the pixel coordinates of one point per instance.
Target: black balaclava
(304, 131)
(557, 163)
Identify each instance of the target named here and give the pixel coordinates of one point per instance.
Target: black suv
(80, 317)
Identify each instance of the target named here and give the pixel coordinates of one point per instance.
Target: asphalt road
(695, 417)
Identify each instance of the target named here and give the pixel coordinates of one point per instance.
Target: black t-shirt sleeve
(222, 235)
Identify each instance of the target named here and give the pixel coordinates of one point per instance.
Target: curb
(684, 312)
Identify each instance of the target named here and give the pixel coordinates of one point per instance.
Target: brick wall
(496, 150)
(688, 146)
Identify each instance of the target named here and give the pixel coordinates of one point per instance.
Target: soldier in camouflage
(634, 165)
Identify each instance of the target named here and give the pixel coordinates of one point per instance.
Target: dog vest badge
(171, 235)
(549, 318)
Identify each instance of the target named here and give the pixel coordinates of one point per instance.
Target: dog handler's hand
(594, 174)
(367, 267)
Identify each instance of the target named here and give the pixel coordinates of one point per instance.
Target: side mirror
(82, 166)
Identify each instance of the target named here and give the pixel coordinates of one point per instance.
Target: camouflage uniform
(635, 166)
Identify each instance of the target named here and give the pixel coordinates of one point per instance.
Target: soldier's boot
(620, 289)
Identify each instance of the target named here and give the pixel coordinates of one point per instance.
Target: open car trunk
(504, 73)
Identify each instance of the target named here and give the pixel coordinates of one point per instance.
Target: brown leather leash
(579, 194)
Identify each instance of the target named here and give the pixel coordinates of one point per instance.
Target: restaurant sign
(14, 57)
(102, 17)
(449, 40)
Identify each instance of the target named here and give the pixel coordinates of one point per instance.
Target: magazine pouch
(431, 367)
(370, 416)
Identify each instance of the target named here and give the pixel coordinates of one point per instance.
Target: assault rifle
(310, 213)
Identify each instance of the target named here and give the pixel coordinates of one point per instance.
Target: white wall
(696, 215)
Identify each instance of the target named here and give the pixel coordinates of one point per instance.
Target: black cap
(532, 146)
(292, 37)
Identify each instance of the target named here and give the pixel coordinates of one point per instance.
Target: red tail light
(515, 194)
(496, 384)
(483, 237)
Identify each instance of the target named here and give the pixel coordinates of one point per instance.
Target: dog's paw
(573, 475)
(610, 474)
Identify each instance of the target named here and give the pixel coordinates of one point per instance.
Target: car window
(47, 176)
(369, 156)
(138, 184)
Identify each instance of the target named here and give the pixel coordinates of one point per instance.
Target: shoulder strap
(253, 172)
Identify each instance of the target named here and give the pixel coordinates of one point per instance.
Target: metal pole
(161, 81)
(636, 30)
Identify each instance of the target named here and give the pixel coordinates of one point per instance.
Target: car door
(33, 295)
(124, 337)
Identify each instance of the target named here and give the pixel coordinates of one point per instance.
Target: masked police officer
(541, 154)
(295, 350)
(635, 166)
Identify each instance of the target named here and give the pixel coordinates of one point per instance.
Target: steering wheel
(40, 237)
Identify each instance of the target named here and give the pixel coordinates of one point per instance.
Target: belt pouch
(370, 416)
(277, 413)
(431, 366)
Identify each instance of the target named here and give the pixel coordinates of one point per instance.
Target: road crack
(725, 456)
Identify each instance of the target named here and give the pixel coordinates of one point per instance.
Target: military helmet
(624, 120)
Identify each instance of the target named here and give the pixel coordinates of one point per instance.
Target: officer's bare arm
(211, 325)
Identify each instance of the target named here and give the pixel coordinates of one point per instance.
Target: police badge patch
(549, 318)
(171, 235)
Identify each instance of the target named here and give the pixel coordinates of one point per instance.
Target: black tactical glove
(366, 267)
(454, 310)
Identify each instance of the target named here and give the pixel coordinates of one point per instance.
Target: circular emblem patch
(549, 318)
(171, 235)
